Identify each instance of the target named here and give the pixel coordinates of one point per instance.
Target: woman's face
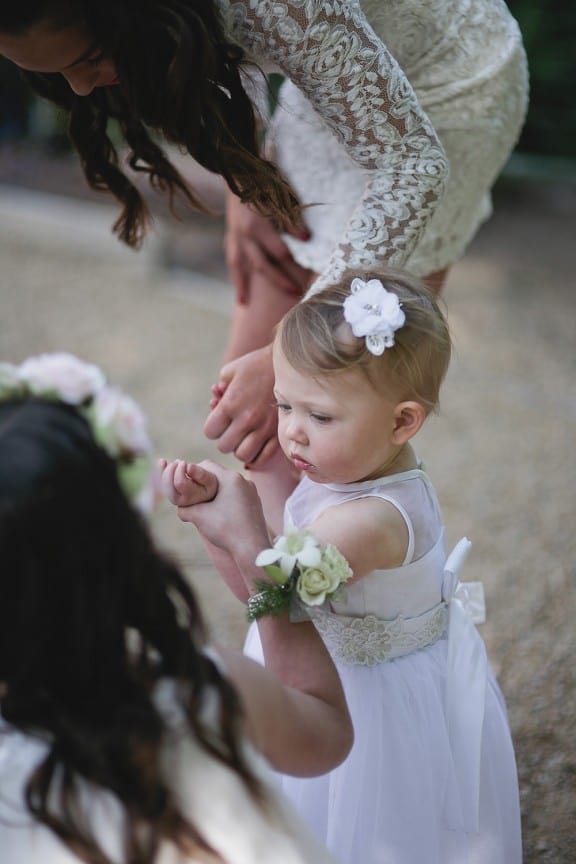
(69, 51)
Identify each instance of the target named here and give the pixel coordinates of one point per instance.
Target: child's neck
(403, 460)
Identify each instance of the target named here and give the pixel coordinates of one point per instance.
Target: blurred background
(501, 453)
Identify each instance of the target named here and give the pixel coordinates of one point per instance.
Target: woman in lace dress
(394, 120)
(432, 775)
(124, 737)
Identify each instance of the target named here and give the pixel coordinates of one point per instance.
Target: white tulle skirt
(386, 804)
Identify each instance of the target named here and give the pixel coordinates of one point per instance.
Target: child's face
(335, 428)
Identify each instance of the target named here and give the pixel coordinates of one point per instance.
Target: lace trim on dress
(368, 640)
(330, 52)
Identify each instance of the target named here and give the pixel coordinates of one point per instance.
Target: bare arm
(295, 706)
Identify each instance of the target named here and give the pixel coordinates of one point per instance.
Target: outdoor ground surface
(501, 452)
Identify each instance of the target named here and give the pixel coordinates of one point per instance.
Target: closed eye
(282, 407)
(321, 418)
(95, 61)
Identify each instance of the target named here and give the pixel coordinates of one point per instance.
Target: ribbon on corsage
(466, 689)
(373, 313)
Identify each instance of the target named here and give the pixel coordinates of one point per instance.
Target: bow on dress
(465, 690)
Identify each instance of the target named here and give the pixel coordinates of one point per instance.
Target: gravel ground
(501, 452)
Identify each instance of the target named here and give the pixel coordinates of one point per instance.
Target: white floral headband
(373, 312)
(117, 422)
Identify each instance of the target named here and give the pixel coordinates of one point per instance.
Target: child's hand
(217, 391)
(186, 484)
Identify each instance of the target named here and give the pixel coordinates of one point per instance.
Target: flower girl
(123, 736)
(431, 776)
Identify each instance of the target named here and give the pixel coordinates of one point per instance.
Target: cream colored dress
(394, 121)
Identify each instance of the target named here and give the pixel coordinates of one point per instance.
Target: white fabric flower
(119, 423)
(61, 376)
(373, 312)
(289, 549)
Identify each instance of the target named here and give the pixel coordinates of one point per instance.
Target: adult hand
(244, 420)
(254, 246)
(232, 521)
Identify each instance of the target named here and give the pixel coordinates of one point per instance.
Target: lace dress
(431, 776)
(240, 831)
(394, 121)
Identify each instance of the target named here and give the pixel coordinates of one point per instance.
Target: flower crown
(373, 312)
(116, 421)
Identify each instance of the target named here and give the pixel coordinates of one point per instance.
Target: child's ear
(409, 417)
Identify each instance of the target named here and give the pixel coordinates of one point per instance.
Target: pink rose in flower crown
(61, 376)
(119, 423)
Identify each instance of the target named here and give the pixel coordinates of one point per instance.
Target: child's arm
(295, 707)
(369, 532)
(275, 481)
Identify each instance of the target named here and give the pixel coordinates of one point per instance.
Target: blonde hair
(317, 341)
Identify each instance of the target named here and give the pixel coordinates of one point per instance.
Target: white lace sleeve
(329, 51)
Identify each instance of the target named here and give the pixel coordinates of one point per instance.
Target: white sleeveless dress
(394, 121)
(431, 778)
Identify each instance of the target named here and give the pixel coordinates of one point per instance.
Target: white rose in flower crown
(118, 422)
(61, 375)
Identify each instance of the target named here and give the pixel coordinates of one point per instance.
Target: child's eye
(321, 418)
(282, 407)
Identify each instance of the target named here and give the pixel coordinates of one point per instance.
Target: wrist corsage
(300, 569)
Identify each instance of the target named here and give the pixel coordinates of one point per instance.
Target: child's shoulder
(371, 532)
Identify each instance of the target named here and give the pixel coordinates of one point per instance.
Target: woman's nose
(82, 82)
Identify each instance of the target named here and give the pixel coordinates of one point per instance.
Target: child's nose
(296, 430)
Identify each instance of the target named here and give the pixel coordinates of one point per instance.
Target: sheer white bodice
(392, 612)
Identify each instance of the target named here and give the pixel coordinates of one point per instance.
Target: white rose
(119, 423)
(315, 583)
(61, 375)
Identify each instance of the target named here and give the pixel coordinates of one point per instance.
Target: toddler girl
(431, 777)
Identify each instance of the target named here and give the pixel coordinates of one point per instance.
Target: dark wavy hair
(92, 616)
(180, 77)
